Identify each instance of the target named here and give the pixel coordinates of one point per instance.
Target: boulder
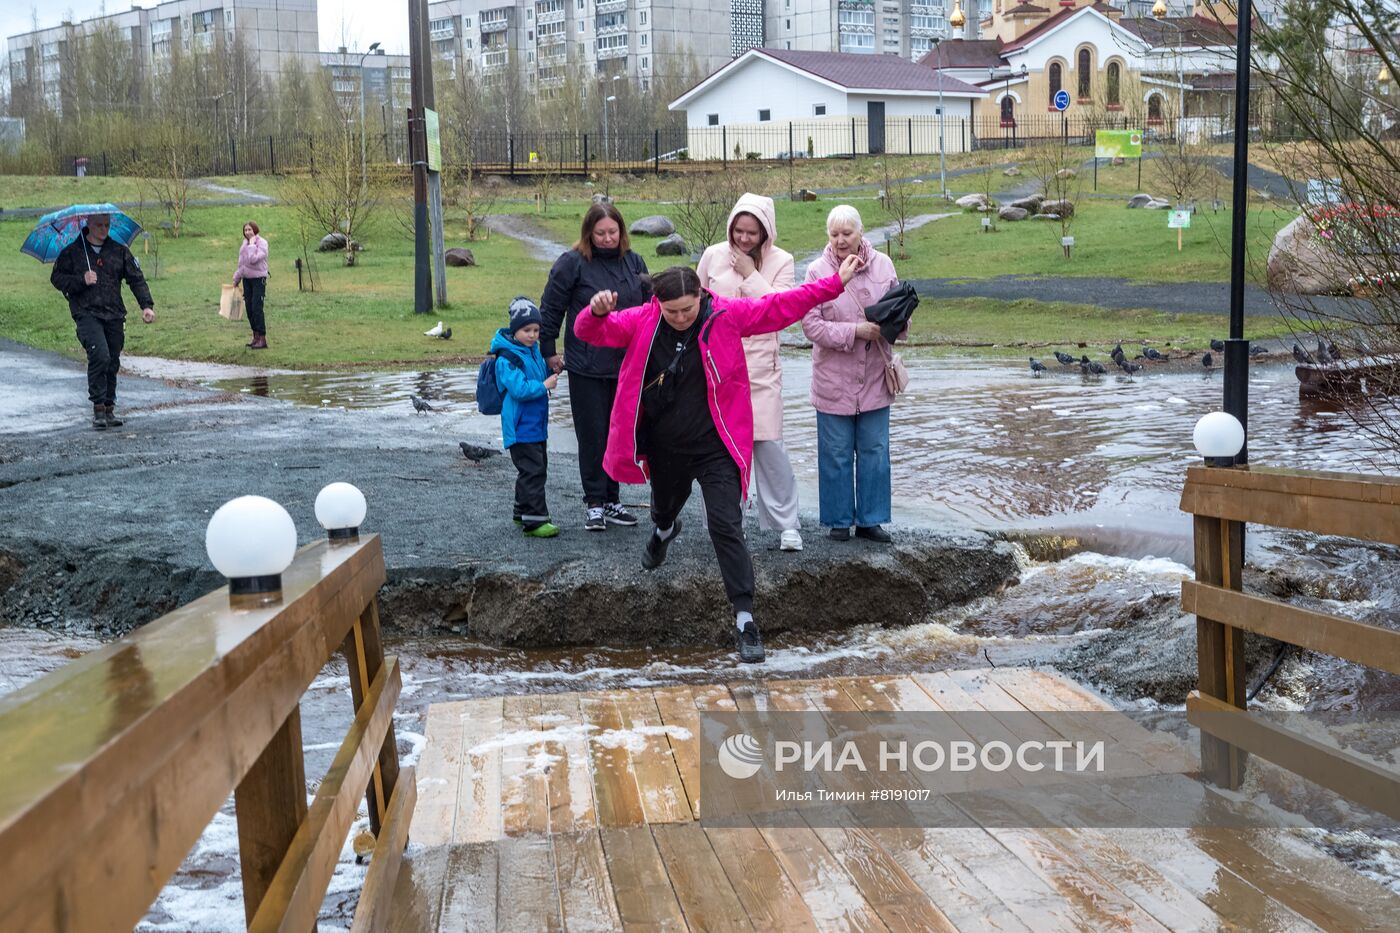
(600, 198)
(805, 195)
(1063, 208)
(1045, 217)
(1011, 171)
(1030, 204)
(973, 202)
(1013, 213)
(1117, 160)
(1140, 201)
(655, 225)
(459, 256)
(1157, 204)
(335, 241)
(1300, 262)
(1066, 173)
(673, 245)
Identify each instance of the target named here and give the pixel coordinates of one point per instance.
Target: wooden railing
(112, 767)
(1222, 500)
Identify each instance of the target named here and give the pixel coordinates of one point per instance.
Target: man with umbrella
(90, 271)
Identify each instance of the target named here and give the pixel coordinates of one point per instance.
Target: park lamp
(251, 540)
(340, 508)
(1219, 437)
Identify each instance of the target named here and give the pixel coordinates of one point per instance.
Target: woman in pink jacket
(683, 411)
(848, 386)
(750, 265)
(252, 272)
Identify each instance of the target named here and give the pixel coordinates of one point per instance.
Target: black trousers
(671, 479)
(103, 340)
(591, 402)
(253, 292)
(532, 468)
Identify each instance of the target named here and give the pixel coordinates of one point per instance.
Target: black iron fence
(658, 150)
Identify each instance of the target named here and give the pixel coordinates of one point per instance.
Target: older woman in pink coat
(749, 264)
(848, 385)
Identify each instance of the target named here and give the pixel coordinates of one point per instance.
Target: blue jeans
(860, 444)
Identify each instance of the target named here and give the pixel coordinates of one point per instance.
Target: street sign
(1062, 100)
(434, 137)
(1118, 144)
(1179, 220)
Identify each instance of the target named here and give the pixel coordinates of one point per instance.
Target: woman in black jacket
(601, 260)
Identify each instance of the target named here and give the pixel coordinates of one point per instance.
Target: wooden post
(364, 656)
(1220, 647)
(270, 804)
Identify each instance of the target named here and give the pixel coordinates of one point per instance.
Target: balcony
(495, 25)
(551, 40)
(553, 16)
(611, 53)
(618, 30)
(442, 32)
(491, 61)
(610, 6)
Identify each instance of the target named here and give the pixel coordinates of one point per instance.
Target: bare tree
(897, 199)
(1184, 169)
(1055, 166)
(705, 201)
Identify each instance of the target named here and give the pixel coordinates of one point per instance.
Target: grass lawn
(17, 191)
(1110, 240)
(359, 316)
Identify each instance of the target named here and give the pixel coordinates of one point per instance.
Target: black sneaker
(873, 533)
(840, 534)
(112, 420)
(750, 643)
(615, 514)
(596, 520)
(654, 554)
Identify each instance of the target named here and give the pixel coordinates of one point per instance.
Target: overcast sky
(343, 22)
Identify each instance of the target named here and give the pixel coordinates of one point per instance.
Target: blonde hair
(844, 214)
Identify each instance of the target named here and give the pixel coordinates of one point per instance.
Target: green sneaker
(547, 530)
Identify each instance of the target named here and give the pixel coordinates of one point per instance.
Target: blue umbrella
(55, 231)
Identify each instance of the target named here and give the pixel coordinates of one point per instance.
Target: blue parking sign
(1062, 100)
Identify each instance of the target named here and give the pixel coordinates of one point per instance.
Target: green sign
(434, 136)
(1118, 144)
(1179, 220)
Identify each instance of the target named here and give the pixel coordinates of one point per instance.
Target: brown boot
(99, 417)
(260, 342)
(110, 417)
(253, 342)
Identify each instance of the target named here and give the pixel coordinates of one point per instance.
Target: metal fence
(658, 150)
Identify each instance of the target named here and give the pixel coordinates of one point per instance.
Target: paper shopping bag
(231, 303)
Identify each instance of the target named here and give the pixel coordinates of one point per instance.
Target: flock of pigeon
(1324, 355)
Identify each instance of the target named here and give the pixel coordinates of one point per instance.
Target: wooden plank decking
(592, 826)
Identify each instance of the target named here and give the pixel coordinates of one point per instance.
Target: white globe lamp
(340, 508)
(251, 540)
(1219, 437)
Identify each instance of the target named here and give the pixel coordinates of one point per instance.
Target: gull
(435, 331)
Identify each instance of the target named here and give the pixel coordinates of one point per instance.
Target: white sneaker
(791, 540)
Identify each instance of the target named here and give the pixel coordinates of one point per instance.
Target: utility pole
(425, 59)
(418, 150)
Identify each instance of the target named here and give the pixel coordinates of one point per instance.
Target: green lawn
(1110, 240)
(18, 191)
(359, 316)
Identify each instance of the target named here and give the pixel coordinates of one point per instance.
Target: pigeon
(1118, 352)
(1257, 350)
(1097, 369)
(1207, 361)
(1218, 346)
(1037, 366)
(1152, 354)
(419, 405)
(446, 334)
(434, 331)
(1065, 359)
(1089, 367)
(1129, 368)
(1322, 356)
(1333, 351)
(474, 453)
(1302, 356)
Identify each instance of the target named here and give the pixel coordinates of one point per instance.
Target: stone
(1030, 204)
(655, 225)
(1013, 213)
(1157, 205)
(673, 245)
(1140, 201)
(1066, 173)
(600, 198)
(1045, 217)
(459, 256)
(973, 202)
(335, 241)
(805, 195)
(1117, 160)
(1011, 171)
(1063, 208)
(1300, 262)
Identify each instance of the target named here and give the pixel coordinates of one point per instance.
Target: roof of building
(1025, 7)
(963, 53)
(885, 72)
(1199, 31)
(1040, 29)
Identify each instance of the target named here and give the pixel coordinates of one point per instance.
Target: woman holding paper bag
(252, 273)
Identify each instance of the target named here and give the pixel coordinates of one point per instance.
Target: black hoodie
(572, 283)
(113, 264)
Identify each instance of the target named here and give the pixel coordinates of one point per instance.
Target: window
(1056, 80)
(582, 25)
(712, 119)
(646, 84)
(764, 116)
(1008, 111)
(530, 56)
(468, 42)
(1114, 79)
(1085, 73)
(644, 40)
(642, 18)
(580, 4)
(789, 24)
(467, 23)
(530, 35)
(819, 110)
(1154, 108)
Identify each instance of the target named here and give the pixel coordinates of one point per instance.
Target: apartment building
(382, 83)
(905, 28)
(546, 38)
(273, 31)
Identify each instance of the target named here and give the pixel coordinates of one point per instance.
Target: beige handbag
(896, 374)
(231, 302)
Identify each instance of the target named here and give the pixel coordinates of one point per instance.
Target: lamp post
(1236, 377)
(1006, 92)
(340, 508)
(942, 174)
(1159, 13)
(251, 540)
(363, 173)
(607, 146)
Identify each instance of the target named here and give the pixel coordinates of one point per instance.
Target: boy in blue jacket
(525, 382)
